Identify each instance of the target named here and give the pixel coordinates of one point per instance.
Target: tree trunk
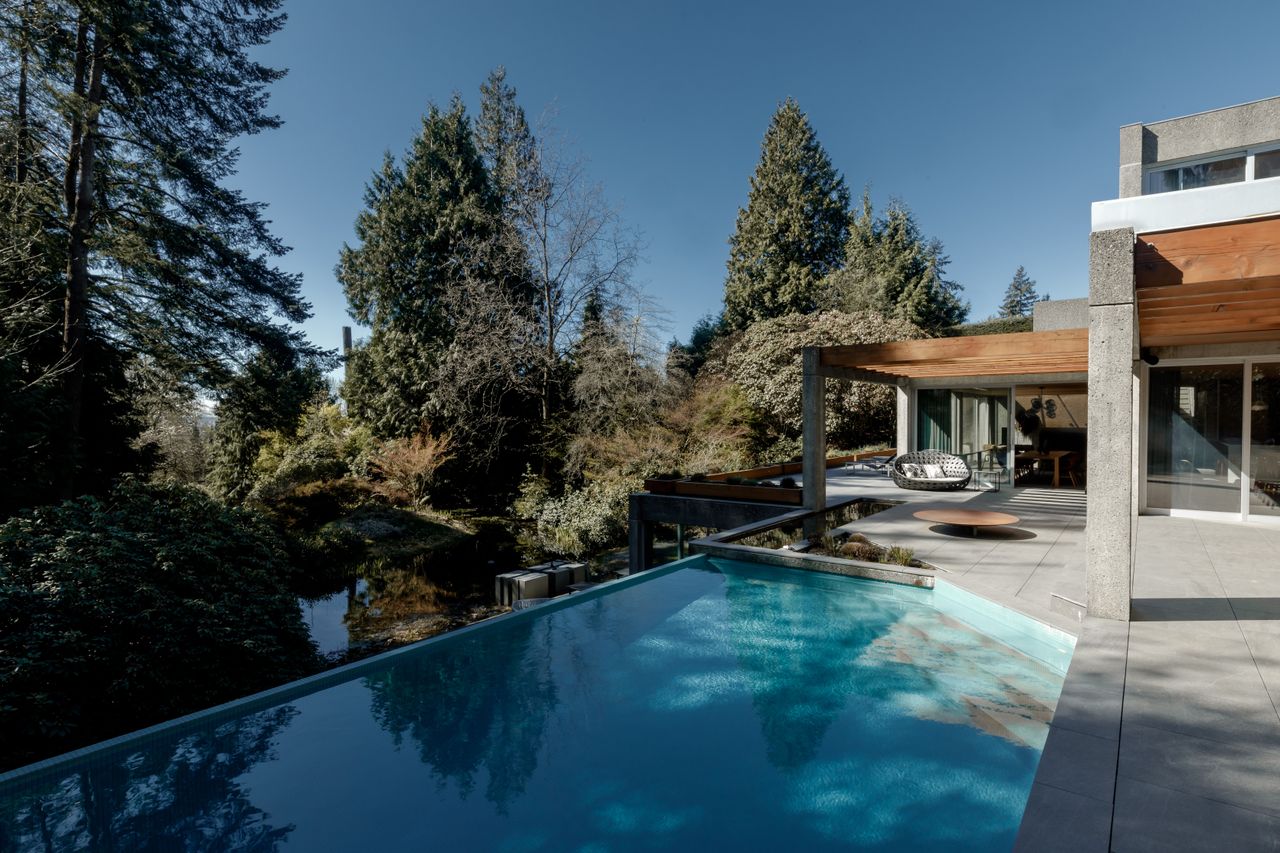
(76, 307)
(24, 59)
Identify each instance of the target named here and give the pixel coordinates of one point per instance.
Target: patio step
(1068, 607)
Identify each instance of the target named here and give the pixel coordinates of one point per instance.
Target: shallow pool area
(705, 705)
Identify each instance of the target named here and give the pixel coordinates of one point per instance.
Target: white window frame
(1202, 159)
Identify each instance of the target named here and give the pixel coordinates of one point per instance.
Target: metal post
(815, 438)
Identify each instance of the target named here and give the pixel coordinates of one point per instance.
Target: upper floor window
(1253, 164)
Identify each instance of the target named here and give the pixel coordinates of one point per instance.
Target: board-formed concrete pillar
(904, 416)
(815, 432)
(1112, 513)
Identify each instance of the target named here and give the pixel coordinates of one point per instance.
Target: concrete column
(1132, 138)
(904, 416)
(815, 432)
(1111, 519)
(639, 538)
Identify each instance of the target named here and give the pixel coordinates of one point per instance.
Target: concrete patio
(1167, 734)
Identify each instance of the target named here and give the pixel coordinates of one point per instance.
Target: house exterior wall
(1143, 145)
(1055, 314)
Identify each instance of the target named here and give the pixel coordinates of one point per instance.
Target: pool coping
(1072, 800)
(718, 544)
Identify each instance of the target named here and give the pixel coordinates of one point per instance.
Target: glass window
(1227, 171)
(1266, 164)
(1194, 437)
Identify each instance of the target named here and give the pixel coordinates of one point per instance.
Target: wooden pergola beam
(1061, 341)
(1211, 284)
(1213, 253)
(1018, 353)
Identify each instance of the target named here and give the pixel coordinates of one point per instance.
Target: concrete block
(532, 585)
(579, 571)
(1111, 280)
(504, 585)
(559, 577)
(1060, 314)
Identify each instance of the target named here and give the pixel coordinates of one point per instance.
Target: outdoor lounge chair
(930, 470)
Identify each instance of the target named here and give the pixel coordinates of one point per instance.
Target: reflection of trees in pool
(799, 650)
(187, 797)
(391, 595)
(479, 702)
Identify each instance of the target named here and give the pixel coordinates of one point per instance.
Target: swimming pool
(706, 705)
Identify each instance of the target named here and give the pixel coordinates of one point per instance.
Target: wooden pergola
(901, 363)
(1015, 354)
(1209, 285)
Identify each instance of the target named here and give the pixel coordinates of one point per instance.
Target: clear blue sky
(996, 123)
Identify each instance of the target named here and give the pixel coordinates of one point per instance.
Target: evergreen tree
(792, 231)
(506, 143)
(122, 130)
(892, 269)
(1020, 296)
(423, 232)
(269, 394)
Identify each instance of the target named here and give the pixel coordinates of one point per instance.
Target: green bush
(122, 611)
(585, 521)
(312, 505)
(328, 446)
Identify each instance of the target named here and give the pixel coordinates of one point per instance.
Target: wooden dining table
(1054, 456)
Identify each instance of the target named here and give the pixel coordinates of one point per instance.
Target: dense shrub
(411, 465)
(121, 611)
(586, 521)
(994, 326)
(766, 363)
(327, 446)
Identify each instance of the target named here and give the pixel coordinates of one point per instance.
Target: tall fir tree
(423, 232)
(1020, 296)
(792, 232)
(122, 132)
(506, 144)
(891, 268)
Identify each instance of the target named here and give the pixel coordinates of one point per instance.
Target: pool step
(1067, 607)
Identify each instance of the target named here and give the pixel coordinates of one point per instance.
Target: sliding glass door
(1264, 440)
(971, 423)
(1213, 439)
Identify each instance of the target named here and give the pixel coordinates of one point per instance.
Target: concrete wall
(1060, 314)
(1192, 136)
(1112, 513)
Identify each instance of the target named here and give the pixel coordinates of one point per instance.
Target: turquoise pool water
(715, 705)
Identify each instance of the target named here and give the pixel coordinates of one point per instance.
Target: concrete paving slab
(1245, 773)
(1059, 821)
(1156, 819)
(1080, 763)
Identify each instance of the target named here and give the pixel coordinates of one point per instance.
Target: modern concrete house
(1159, 393)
